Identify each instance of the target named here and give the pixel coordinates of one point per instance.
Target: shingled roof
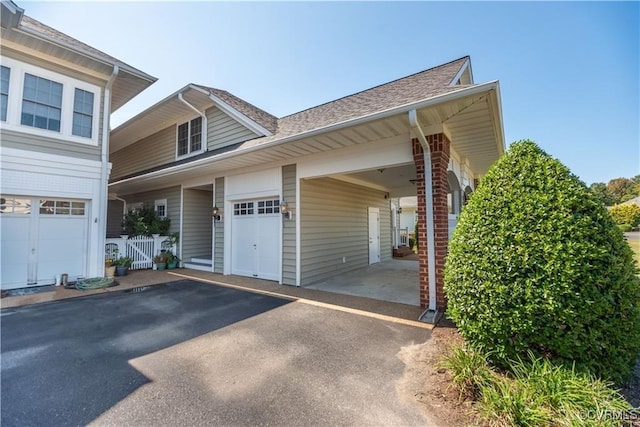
(416, 87)
(264, 119)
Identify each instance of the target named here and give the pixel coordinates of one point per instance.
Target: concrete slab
(395, 281)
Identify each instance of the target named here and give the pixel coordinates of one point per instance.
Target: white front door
(255, 243)
(374, 235)
(41, 239)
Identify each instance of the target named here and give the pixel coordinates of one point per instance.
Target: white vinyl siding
(334, 225)
(224, 130)
(289, 226)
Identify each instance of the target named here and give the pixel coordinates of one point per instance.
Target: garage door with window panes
(255, 246)
(40, 239)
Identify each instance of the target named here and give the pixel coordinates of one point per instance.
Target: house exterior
(56, 97)
(301, 198)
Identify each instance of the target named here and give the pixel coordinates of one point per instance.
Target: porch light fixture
(215, 213)
(284, 210)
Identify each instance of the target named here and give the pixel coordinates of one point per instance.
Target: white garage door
(40, 239)
(255, 246)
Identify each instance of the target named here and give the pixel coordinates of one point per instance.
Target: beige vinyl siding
(154, 150)
(334, 224)
(218, 262)
(196, 224)
(114, 218)
(148, 198)
(65, 71)
(222, 130)
(40, 144)
(289, 226)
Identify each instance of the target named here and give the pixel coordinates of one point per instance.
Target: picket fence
(141, 249)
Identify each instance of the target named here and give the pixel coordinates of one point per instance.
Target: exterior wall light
(284, 210)
(215, 213)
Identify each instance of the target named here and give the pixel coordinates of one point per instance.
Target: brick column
(423, 260)
(439, 146)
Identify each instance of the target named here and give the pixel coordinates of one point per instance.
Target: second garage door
(256, 239)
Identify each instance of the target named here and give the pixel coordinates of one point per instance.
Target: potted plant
(109, 268)
(122, 265)
(160, 261)
(172, 261)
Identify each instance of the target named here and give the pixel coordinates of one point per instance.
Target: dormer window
(190, 137)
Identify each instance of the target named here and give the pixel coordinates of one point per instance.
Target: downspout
(104, 173)
(431, 313)
(205, 143)
(200, 113)
(124, 205)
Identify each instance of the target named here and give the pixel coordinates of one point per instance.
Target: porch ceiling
(473, 123)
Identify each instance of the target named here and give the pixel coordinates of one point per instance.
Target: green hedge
(536, 263)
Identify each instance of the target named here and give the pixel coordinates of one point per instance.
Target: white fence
(404, 237)
(141, 249)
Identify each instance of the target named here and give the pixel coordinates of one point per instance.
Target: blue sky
(569, 72)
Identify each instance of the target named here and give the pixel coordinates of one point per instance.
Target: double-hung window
(161, 208)
(190, 137)
(82, 113)
(4, 91)
(41, 103)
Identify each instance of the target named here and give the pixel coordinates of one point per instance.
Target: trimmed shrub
(625, 227)
(536, 263)
(145, 222)
(626, 214)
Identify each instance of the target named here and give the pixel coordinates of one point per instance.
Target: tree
(537, 264)
(622, 189)
(603, 193)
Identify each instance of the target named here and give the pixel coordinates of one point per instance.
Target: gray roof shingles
(37, 26)
(414, 88)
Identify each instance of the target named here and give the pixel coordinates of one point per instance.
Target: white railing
(141, 249)
(404, 237)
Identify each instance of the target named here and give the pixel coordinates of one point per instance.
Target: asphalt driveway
(188, 353)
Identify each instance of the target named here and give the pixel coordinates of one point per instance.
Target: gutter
(90, 55)
(450, 96)
(431, 314)
(104, 176)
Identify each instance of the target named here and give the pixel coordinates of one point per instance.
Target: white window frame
(8, 90)
(69, 84)
(163, 203)
(203, 137)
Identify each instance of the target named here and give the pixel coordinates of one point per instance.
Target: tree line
(617, 190)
